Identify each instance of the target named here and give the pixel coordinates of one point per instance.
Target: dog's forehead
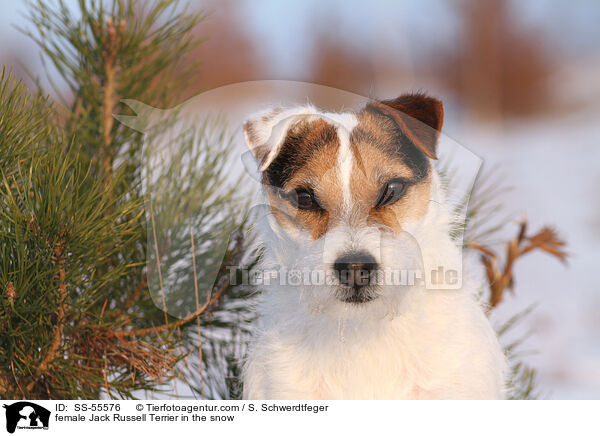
(344, 160)
(320, 144)
(344, 120)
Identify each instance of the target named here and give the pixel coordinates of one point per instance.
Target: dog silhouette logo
(26, 415)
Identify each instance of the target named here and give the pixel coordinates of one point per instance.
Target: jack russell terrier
(357, 206)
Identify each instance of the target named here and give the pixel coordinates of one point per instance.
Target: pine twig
(136, 294)
(162, 289)
(57, 332)
(12, 367)
(180, 322)
(106, 376)
(11, 295)
(110, 70)
(197, 308)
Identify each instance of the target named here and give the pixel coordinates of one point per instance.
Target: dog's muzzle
(356, 272)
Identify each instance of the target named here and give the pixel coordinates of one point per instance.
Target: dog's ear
(418, 116)
(266, 131)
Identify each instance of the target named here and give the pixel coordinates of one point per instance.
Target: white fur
(345, 163)
(410, 343)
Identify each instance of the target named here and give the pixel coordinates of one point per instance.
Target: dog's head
(346, 190)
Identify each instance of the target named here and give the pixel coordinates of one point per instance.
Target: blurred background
(521, 86)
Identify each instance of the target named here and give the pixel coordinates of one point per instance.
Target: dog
(352, 196)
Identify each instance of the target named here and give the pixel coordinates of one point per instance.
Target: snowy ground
(553, 167)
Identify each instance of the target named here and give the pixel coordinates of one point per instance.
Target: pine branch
(198, 322)
(61, 171)
(57, 335)
(142, 285)
(216, 296)
(181, 322)
(108, 103)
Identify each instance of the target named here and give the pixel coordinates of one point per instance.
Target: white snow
(553, 166)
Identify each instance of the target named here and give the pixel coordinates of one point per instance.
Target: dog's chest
(353, 368)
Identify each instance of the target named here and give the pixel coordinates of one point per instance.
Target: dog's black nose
(355, 269)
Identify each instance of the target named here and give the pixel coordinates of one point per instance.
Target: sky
(415, 27)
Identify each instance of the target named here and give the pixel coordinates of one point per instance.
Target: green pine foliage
(62, 234)
(76, 315)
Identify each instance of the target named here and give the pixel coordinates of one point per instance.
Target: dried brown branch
(103, 344)
(501, 278)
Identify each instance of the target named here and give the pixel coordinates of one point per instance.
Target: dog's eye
(303, 199)
(391, 192)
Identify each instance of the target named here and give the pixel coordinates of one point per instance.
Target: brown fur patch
(307, 160)
(303, 141)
